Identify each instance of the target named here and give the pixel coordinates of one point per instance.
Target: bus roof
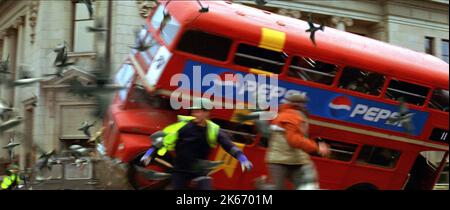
(246, 23)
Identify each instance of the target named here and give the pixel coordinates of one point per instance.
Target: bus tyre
(363, 186)
(140, 183)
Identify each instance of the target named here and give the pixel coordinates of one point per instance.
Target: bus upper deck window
(411, 93)
(378, 156)
(312, 70)
(260, 58)
(205, 45)
(362, 81)
(439, 100)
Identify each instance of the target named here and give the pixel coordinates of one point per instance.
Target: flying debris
(312, 29)
(86, 128)
(262, 126)
(78, 151)
(405, 117)
(4, 110)
(142, 40)
(26, 81)
(152, 174)
(99, 27)
(101, 90)
(10, 147)
(45, 160)
(261, 2)
(89, 7)
(61, 55)
(96, 138)
(10, 123)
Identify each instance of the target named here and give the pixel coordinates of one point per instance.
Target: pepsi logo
(340, 107)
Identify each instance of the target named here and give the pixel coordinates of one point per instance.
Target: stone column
(19, 26)
(379, 32)
(341, 22)
(10, 49)
(437, 47)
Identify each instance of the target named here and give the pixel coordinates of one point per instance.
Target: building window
(82, 40)
(361, 81)
(312, 70)
(429, 42)
(445, 50)
(411, 93)
(378, 156)
(206, 45)
(260, 58)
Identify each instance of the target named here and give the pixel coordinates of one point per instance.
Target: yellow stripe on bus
(272, 39)
(257, 71)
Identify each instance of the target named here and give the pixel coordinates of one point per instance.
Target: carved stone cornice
(345, 20)
(20, 21)
(32, 19)
(145, 6)
(7, 32)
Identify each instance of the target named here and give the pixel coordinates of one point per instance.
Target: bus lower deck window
(410, 93)
(239, 133)
(361, 81)
(378, 156)
(312, 70)
(260, 58)
(205, 45)
(341, 151)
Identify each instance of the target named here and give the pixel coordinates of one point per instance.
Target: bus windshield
(165, 23)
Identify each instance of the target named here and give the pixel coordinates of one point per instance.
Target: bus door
(426, 170)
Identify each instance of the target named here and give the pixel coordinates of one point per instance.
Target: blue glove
(147, 156)
(245, 163)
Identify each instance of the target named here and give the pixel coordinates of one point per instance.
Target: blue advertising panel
(323, 103)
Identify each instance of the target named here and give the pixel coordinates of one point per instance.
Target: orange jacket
(296, 128)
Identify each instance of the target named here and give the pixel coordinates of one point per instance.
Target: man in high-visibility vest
(192, 139)
(12, 179)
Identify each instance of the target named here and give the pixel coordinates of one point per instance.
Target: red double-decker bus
(354, 83)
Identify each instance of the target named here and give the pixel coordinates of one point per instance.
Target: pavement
(106, 175)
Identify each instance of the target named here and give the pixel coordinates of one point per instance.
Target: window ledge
(81, 54)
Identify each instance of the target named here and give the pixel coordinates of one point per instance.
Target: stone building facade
(31, 29)
(412, 24)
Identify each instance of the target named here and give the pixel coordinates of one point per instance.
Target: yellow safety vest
(9, 180)
(171, 134)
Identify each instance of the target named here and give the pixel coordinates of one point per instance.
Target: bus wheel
(138, 182)
(363, 186)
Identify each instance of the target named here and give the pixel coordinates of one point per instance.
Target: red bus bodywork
(129, 123)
